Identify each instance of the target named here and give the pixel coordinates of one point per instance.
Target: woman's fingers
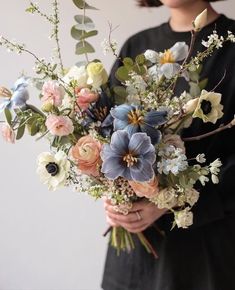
(130, 218)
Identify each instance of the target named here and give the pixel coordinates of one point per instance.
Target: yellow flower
(209, 108)
(97, 75)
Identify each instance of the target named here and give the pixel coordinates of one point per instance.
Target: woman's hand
(140, 217)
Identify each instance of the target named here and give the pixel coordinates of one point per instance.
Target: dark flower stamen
(206, 107)
(52, 168)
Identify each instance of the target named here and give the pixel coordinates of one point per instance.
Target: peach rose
(59, 125)
(84, 97)
(52, 93)
(147, 188)
(87, 155)
(8, 134)
(175, 140)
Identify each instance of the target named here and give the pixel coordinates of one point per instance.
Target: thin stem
(83, 23)
(220, 129)
(56, 34)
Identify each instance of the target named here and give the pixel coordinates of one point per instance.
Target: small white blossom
(203, 179)
(201, 158)
(214, 166)
(231, 36)
(184, 218)
(214, 179)
(109, 46)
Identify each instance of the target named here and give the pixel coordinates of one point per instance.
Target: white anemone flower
(168, 59)
(53, 169)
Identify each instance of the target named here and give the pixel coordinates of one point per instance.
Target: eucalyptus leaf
(84, 47)
(120, 91)
(84, 22)
(81, 4)
(140, 59)
(122, 74)
(20, 131)
(202, 84)
(194, 89)
(82, 34)
(194, 76)
(139, 69)
(8, 116)
(34, 128)
(128, 62)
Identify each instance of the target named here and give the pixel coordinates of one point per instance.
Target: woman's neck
(181, 18)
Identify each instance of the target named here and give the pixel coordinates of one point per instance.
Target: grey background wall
(53, 240)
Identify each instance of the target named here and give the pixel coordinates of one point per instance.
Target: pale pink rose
(175, 140)
(145, 189)
(59, 125)
(87, 155)
(84, 97)
(7, 133)
(52, 93)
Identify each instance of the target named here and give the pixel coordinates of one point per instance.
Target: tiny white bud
(200, 21)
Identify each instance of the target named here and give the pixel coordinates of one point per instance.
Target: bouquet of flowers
(124, 150)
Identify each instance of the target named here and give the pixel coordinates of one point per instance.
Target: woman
(203, 256)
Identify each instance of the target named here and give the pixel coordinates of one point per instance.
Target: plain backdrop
(53, 240)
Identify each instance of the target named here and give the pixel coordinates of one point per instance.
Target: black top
(203, 256)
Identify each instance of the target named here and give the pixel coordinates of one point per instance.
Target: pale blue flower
(19, 95)
(132, 119)
(131, 157)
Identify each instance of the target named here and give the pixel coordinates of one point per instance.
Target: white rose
(78, 74)
(192, 196)
(166, 198)
(97, 75)
(151, 55)
(184, 218)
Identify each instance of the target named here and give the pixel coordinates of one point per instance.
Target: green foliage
(81, 4)
(122, 74)
(84, 47)
(140, 59)
(82, 34)
(120, 94)
(20, 130)
(84, 22)
(8, 116)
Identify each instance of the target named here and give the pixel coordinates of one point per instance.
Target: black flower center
(52, 168)
(206, 107)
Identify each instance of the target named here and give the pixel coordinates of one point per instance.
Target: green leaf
(81, 4)
(120, 94)
(84, 22)
(140, 59)
(20, 131)
(202, 84)
(122, 73)
(82, 34)
(194, 89)
(139, 69)
(8, 116)
(34, 128)
(194, 76)
(128, 62)
(84, 47)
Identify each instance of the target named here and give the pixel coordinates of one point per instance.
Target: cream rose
(97, 75)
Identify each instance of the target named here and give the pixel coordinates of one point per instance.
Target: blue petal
(152, 132)
(121, 112)
(127, 173)
(155, 118)
(131, 129)
(108, 121)
(119, 142)
(150, 156)
(20, 82)
(142, 171)
(113, 167)
(119, 124)
(20, 97)
(107, 152)
(139, 143)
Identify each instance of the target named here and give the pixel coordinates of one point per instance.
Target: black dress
(203, 256)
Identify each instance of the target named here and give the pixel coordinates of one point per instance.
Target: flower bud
(4, 92)
(200, 21)
(47, 107)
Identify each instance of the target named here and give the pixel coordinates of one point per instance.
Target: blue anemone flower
(19, 96)
(131, 157)
(133, 119)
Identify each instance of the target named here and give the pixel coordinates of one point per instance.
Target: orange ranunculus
(147, 188)
(87, 155)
